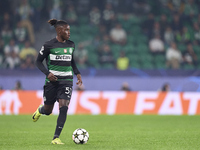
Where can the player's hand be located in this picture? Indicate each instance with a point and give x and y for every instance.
(79, 82)
(52, 78)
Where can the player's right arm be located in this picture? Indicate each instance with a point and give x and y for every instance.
(44, 52)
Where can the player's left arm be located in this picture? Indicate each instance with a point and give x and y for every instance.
(76, 72)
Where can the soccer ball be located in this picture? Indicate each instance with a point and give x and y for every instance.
(80, 136)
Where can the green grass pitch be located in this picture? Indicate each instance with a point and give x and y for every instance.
(107, 132)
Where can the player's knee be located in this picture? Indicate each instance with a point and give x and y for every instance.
(48, 110)
(63, 102)
(67, 103)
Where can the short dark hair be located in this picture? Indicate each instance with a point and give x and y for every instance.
(56, 23)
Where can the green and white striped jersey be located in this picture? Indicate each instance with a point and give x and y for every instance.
(59, 59)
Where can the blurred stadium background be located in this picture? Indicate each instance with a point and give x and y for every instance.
(137, 34)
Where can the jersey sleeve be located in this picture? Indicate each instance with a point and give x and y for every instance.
(73, 63)
(43, 54)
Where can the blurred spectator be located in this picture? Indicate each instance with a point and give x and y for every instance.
(198, 19)
(83, 7)
(156, 45)
(105, 39)
(27, 51)
(176, 5)
(6, 20)
(71, 15)
(106, 56)
(11, 52)
(5, 7)
(156, 30)
(55, 11)
(113, 21)
(102, 30)
(165, 87)
(127, 6)
(24, 10)
(25, 13)
(124, 20)
(11, 47)
(1, 52)
(141, 7)
(28, 63)
(96, 42)
(6, 34)
(12, 61)
(148, 24)
(174, 57)
(191, 8)
(37, 6)
(18, 86)
(186, 37)
(2, 45)
(196, 33)
(115, 4)
(118, 35)
(95, 16)
(125, 87)
(20, 33)
(168, 36)
(81, 56)
(122, 61)
(189, 56)
(108, 13)
(176, 23)
(163, 23)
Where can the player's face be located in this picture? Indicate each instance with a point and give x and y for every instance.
(65, 32)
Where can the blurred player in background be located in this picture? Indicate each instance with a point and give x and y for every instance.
(58, 53)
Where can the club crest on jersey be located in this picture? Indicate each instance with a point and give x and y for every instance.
(70, 50)
(65, 50)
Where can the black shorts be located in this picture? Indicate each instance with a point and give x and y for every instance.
(53, 91)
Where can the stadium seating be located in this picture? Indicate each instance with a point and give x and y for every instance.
(136, 48)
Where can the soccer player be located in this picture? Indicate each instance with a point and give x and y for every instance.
(58, 53)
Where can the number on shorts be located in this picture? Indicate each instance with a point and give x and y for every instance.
(67, 90)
